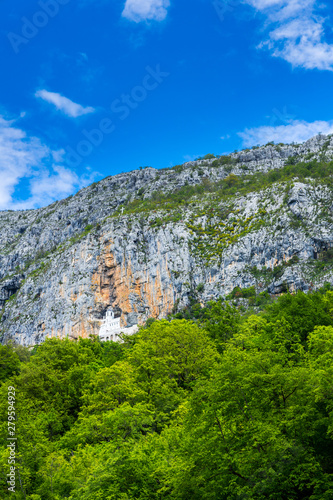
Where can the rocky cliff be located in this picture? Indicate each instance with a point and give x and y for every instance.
(144, 242)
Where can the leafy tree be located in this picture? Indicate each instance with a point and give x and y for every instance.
(221, 321)
(9, 362)
(255, 429)
(178, 351)
(303, 311)
(221, 406)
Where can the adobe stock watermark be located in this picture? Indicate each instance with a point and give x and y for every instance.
(122, 108)
(224, 6)
(31, 27)
(11, 476)
(281, 117)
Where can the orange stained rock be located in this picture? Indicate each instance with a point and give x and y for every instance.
(114, 284)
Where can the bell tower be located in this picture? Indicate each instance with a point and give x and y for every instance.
(110, 314)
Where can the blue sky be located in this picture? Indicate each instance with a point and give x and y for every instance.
(91, 88)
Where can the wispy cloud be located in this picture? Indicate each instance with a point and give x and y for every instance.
(54, 183)
(296, 32)
(64, 104)
(146, 10)
(295, 131)
(27, 158)
(18, 158)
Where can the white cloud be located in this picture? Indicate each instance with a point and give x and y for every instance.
(297, 32)
(24, 158)
(18, 157)
(52, 184)
(146, 10)
(264, 4)
(64, 104)
(295, 131)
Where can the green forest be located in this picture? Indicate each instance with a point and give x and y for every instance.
(212, 404)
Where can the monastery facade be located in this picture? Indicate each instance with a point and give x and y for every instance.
(111, 329)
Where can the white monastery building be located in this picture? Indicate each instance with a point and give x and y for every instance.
(111, 329)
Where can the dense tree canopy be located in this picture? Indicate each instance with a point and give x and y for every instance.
(220, 406)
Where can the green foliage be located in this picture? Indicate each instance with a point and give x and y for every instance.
(259, 415)
(9, 362)
(324, 259)
(303, 311)
(13, 297)
(231, 180)
(245, 293)
(321, 171)
(224, 160)
(276, 272)
(214, 229)
(178, 168)
(79, 236)
(258, 300)
(221, 406)
(220, 231)
(221, 321)
(292, 160)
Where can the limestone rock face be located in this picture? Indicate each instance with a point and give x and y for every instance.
(9, 287)
(299, 202)
(62, 266)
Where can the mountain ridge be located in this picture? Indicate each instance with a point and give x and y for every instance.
(145, 241)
